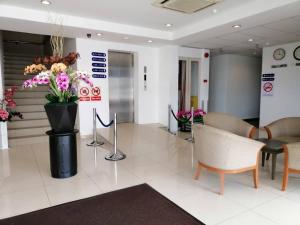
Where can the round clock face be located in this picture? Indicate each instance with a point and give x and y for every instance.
(297, 53)
(279, 54)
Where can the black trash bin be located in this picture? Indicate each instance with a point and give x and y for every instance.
(63, 154)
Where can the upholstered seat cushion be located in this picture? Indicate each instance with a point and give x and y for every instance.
(287, 139)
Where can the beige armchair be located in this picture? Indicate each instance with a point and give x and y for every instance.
(224, 153)
(286, 130)
(230, 123)
(291, 161)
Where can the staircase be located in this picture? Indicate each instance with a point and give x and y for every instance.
(30, 102)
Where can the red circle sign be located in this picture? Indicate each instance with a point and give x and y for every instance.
(268, 87)
(84, 91)
(96, 91)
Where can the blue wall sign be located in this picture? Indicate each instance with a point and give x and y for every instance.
(99, 76)
(98, 64)
(97, 59)
(96, 70)
(101, 54)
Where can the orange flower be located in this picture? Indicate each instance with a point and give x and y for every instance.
(58, 67)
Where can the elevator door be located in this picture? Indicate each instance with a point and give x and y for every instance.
(120, 65)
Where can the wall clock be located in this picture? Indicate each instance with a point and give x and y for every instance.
(297, 53)
(279, 54)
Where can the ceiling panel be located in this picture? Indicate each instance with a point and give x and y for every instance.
(291, 25)
(267, 33)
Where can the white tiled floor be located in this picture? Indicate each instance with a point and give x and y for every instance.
(155, 157)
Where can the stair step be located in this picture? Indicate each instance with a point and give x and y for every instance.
(15, 71)
(17, 77)
(21, 124)
(32, 116)
(8, 66)
(19, 59)
(29, 108)
(28, 132)
(19, 54)
(30, 101)
(23, 64)
(14, 82)
(30, 139)
(30, 94)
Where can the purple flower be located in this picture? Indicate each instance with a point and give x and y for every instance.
(28, 84)
(62, 81)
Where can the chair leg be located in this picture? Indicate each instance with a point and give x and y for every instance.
(255, 177)
(197, 173)
(222, 175)
(286, 169)
(285, 180)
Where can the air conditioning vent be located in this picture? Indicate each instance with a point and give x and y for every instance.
(185, 6)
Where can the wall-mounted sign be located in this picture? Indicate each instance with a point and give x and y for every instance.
(98, 64)
(99, 75)
(84, 94)
(267, 83)
(101, 54)
(90, 94)
(278, 66)
(96, 70)
(97, 59)
(96, 94)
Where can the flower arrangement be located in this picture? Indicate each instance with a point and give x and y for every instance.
(7, 104)
(185, 115)
(60, 77)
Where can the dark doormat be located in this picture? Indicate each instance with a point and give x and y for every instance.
(138, 205)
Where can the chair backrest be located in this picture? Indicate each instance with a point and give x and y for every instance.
(224, 150)
(289, 126)
(230, 123)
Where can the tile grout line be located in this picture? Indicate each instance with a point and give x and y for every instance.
(39, 169)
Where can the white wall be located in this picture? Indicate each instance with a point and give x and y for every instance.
(286, 94)
(3, 126)
(145, 102)
(235, 85)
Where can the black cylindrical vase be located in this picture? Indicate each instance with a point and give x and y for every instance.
(63, 154)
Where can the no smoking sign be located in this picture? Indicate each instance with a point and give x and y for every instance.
(268, 87)
(267, 84)
(96, 94)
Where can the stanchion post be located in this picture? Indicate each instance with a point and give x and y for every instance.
(169, 118)
(115, 132)
(115, 155)
(95, 143)
(192, 123)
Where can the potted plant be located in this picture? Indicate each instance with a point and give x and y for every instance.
(184, 117)
(7, 105)
(63, 82)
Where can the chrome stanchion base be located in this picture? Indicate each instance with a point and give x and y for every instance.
(190, 139)
(115, 156)
(93, 143)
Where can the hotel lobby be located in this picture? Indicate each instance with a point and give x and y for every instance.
(150, 112)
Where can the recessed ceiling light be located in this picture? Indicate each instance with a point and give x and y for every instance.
(150, 41)
(126, 38)
(168, 24)
(45, 2)
(250, 39)
(99, 34)
(237, 26)
(215, 11)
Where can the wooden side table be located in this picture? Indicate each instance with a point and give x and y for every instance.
(274, 148)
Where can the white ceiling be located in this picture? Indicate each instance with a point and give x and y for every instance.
(133, 12)
(265, 21)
